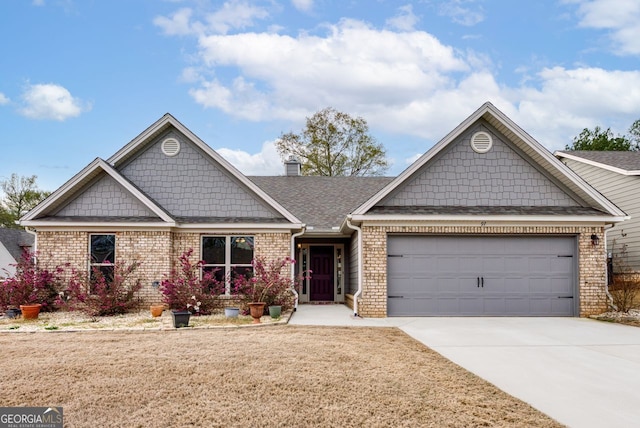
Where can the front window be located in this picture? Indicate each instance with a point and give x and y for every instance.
(227, 256)
(102, 249)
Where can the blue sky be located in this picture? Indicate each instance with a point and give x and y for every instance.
(80, 79)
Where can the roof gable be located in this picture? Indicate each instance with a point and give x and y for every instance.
(459, 176)
(109, 180)
(197, 182)
(105, 197)
(517, 139)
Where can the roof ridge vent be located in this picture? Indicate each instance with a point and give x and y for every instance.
(481, 142)
(170, 147)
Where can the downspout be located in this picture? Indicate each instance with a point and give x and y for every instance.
(293, 266)
(606, 276)
(360, 264)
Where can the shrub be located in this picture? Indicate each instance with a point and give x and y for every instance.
(270, 282)
(31, 284)
(183, 289)
(625, 284)
(97, 295)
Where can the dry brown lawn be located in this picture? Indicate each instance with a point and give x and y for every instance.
(275, 376)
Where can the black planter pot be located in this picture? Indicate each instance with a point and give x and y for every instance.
(180, 318)
(13, 313)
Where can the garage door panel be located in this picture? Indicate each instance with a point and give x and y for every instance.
(524, 276)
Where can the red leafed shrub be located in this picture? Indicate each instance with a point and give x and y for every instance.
(183, 289)
(31, 284)
(99, 294)
(270, 282)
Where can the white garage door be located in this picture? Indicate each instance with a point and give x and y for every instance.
(481, 276)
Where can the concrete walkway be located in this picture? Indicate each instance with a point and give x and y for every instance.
(581, 372)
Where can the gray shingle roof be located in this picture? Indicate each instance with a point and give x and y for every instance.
(321, 202)
(14, 240)
(629, 161)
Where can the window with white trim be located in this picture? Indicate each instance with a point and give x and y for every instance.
(227, 256)
(102, 250)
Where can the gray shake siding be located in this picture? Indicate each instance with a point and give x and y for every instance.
(190, 184)
(623, 191)
(105, 198)
(462, 177)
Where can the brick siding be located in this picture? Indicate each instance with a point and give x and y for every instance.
(158, 252)
(591, 272)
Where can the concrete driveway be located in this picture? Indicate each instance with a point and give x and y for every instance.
(581, 372)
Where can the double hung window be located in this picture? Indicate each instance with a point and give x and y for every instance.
(228, 257)
(102, 250)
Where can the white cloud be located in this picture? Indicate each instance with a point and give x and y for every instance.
(353, 64)
(620, 17)
(234, 14)
(178, 24)
(51, 101)
(461, 12)
(412, 159)
(267, 162)
(303, 5)
(405, 20)
(402, 82)
(3, 99)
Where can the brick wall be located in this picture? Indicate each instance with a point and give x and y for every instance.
(591, 275)
(158, 252)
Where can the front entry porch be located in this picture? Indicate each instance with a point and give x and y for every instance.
(326, 280)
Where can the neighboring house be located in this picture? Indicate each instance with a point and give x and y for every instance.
(487, 222)
(617, 176)
(13, 242)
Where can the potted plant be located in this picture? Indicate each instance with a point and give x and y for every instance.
(156, 310)
(186, 293)
(31, 288)
(275, 311)
(231, 312)
(269, 285)
(180, 318)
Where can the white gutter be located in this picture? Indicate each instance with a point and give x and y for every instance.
(360, 265)
(293, 266)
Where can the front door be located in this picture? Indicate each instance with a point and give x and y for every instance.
(321, 266)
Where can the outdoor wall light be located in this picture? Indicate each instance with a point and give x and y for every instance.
(155, 284)
(595, 240)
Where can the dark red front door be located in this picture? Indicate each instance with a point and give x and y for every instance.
(321, 273)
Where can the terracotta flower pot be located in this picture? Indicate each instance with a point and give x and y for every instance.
(156, 310)
(30, 312)
(257, 310)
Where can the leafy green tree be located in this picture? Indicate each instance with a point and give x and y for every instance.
(600, 139)
(335, 144)
(21, 194)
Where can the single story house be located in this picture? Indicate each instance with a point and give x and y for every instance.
(13, 242)
(617, 176)
(486, 223)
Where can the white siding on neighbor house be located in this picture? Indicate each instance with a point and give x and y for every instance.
(624, 191)
(6, 260)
